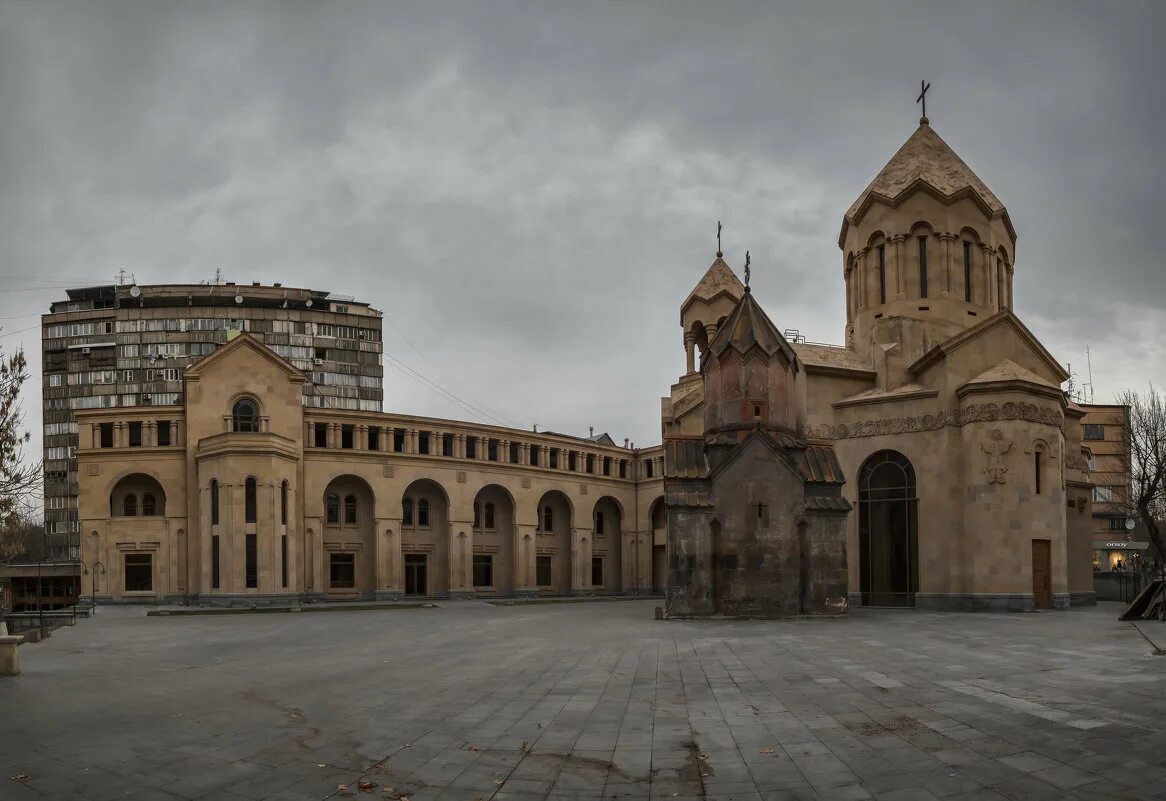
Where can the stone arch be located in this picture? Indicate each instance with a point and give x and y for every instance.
(425, 538)
(888, 530)
(607, 544)
(554, 541)
(349, 541)
(245, 413)
(493, 546)
(131, 491)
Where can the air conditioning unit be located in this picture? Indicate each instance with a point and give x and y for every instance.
(318, 361)
(85, 351)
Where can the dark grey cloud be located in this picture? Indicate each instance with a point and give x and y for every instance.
(529, 190)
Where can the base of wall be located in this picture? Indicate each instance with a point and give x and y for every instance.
(463, 595)
(528, 592)
(245, 600)
(582, 593)
(1061, 600)
(976, 602)
(389, 595)
(1083, 599)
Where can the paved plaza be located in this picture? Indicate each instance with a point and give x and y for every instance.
(586, 701)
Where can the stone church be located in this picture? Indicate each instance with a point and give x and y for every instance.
(932, 461)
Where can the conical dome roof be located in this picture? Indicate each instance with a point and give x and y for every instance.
(718, 279)
(747, 326)
(925, 158)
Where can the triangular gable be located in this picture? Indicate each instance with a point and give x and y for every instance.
(718, 280)
(742, 446)
(1004, 318)
(748, 326)
(243, 340)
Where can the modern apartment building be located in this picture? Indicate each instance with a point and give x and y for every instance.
(127, 346)
(1103, 433)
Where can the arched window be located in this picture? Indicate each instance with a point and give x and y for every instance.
(477, 516)
(150, 505)
(350, 509)
(129, 506)
(888, 531)
(548, 519)
(214, 501)
(245, 416)
(599, 522)
(250, 504)
(489, 515)
(423, 512)
(407, 511)
(283, 503)
(332, 509)
(1038, 452)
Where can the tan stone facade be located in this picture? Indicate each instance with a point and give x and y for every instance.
(290, 502)
(940, 377)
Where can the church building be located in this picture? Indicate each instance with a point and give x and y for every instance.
(938, 437)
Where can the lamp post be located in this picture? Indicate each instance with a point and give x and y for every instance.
(80, 590)
(93, 584)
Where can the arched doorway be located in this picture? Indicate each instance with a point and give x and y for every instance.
(137, 495)
(425, 539)
(659, 547)
(607, 546)
(888, 536)
(493, 546)
(552, 559)
(349, 538)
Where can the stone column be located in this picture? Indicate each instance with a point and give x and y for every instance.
(581, 562)
(504, 451)
(385, 440)
(525, 549)
(897, 263)
(461, 559)
(947, 239)
(989, 283)
(689, 352)
(545, 461)
(333, 435)
(863, 277)
(711, 332)
(437, 443)
(149, 433)
(482, 448)
(309, 434)
(361, 437)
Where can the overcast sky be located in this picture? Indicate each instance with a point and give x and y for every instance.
(530, 190)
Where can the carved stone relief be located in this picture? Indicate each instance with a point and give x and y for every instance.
(997, 447)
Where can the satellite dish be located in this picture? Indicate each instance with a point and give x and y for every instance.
(135, 291)
(309, 303)
(238, 298)
(1130, 524)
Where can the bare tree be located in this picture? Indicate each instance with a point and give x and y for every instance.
(19, 480)
(23, 537)
(1144, 452)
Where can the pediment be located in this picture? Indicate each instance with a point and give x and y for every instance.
(1042, 363)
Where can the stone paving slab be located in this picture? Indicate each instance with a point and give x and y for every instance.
(586, 701)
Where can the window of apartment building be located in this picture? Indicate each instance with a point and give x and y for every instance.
(374, 438)
(129, 505)
(347, 435)
(423, 440)
(163, 428)
(590, 464)
(423, 512)
(149, 505)
(399, 441)
(139, 573)
(350, 510)
(447, 445)
(547, 519)
(407, 511)
(55, 359)
(332, 509)
(1103, 495)
(252, 561)
(513, 455)
(597, 571)
(320, 435)
(342, 571)
(471, 447)
(215, 562)
(572, 461)
(542, 571)
(492, 450)
(135, 434)
(483, 570)
(106, 435)
(1092, 431)
(1117, 524)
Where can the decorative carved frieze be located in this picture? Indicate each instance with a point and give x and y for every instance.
(973, 413)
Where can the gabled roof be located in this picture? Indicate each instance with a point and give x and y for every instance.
(749, 326)
(718, 280)
(925, 160)
(1006, 318)
(243, 340)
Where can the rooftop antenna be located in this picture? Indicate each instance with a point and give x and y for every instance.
(1089, 365)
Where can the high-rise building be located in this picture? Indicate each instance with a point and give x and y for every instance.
(1103, 433)
(127, 345)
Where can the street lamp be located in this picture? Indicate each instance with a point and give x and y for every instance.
(97, 566)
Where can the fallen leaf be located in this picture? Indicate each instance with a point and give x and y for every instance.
(19, 777)
(342, 787)
(367, 787)
(499, 781)
(474, 748)
(321, 765)
(765, 751)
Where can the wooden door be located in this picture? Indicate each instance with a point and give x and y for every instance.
(1042, 588)
(415, 578)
